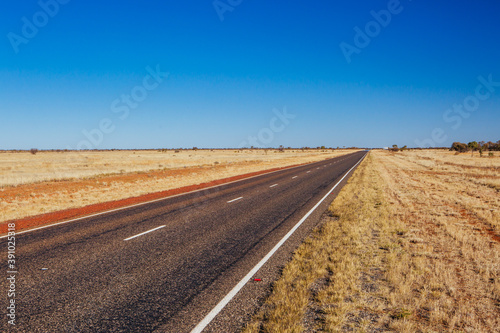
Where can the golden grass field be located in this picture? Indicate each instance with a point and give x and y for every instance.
(411, 244)
(51, 181)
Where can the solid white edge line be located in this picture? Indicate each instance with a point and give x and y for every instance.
(148, 202)
(235, 199)
(215, 311)
(143, 233)
(273, 185)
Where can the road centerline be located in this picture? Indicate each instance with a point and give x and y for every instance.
(273, 185)
(235, 200)
(143, 233)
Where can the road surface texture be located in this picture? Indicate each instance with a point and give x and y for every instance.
(164, 266)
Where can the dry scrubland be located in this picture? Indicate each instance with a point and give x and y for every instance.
(52, 181)
(411, 244)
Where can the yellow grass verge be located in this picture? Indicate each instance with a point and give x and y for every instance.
(400, 250)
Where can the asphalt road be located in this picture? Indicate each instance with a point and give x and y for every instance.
(163, 266)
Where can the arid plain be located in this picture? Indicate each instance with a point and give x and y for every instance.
(32, 184)
(411, 244)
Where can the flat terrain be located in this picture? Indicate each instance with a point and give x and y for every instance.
(162, 266)
(52, 181)
(411, 244)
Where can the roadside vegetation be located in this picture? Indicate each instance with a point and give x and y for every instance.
(411, 244)
(473, 146)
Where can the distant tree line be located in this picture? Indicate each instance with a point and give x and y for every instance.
(395, 148)
(475, 146)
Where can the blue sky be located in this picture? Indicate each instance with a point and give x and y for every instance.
(63, 68)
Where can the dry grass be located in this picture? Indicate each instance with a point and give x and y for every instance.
(411, 245)
(24, 168)
(51, 181)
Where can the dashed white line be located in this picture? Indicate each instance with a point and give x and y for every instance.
(143, 233)
(273, 185)
(308, 171)
(235, 199)
(215, 311)
(294, 177)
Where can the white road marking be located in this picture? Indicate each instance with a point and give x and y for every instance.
(273, 185)
(143, 233)
(308, 171)
(235, 199)
(294, 177)
(215, 311)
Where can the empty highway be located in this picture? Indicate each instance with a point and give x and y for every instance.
(179, 264)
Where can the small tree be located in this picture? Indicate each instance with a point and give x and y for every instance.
(473, 146)
(34, 151)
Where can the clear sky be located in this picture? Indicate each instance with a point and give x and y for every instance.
(91, 74)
